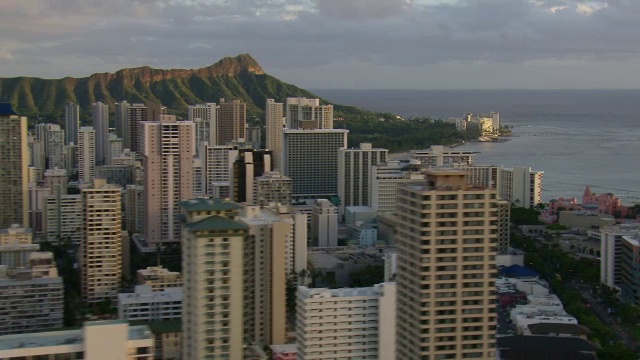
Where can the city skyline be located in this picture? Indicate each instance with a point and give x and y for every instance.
(428, 44)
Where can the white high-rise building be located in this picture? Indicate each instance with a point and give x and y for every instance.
(274, 113)
(217, 169)
(71, 123)
(100, 113)
(324, 224)
(101, 248)
(167, 148)
(205, 120)
(521, 186)
(14, 163)
(115, 147)
(311, 161)
(385, 180)
(354, 174)
(86, 154)
(56, 181)
(611, 243)
(308, 114)
(271, 188)
(346, 323)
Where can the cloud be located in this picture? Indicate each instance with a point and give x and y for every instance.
(589, 8)
(362, 9)
(5, 55)
(78, 37)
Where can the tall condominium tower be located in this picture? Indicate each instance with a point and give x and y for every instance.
(167, 153)
(86, 154)
(135, 114)
(213, 276)
(310, 159)
(14, 161)
(205, 120)
(232, 121)
(122, 119)
(71, 123)
(265, 275)
(274, 113)
(55, 147)
(447, 236)
(249, 165)
(521, 186)
(308, 114)
(100, 113)
(101, 246)
(439, 156)
(354, 173)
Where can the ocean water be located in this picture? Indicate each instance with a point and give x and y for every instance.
(577, 137)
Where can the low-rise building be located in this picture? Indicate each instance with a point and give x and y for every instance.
(148, 305)
(159, 278)
(124, 343)
(356, 323)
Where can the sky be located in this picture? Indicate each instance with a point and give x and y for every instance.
(336, 44)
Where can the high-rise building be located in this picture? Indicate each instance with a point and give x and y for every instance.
(167, 148)
(363, 320)
(213, 276)
(271, 188)
(71, 123)
(100, 114)
(38, 158)
(310, 159)
(265, 276)
(70, 158)
(63, 218)
(611, 246)
(217, 169)
(205, 120)
(56, 181)
(232, 121)
(447, 235)
(131, 115)
(249, 165)
(101, 249)
(115, 147)
(308, 114)
(274, 113)
(385, 180)
(521, 186)
(55, 147)
(37, 195)
(121, 119)
(134, 208)
(324, 224)
(14, 162)
(354, 174)
(86, 154)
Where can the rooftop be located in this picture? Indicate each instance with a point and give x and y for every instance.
(552, 328)
(65, 337)
(216, 223)
(209, 204)
(545, 347)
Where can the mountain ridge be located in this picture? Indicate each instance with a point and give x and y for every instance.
(240, 77)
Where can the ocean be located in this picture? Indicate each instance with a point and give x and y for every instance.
(577, 137)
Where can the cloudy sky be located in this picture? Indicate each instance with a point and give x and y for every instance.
(401, 44)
